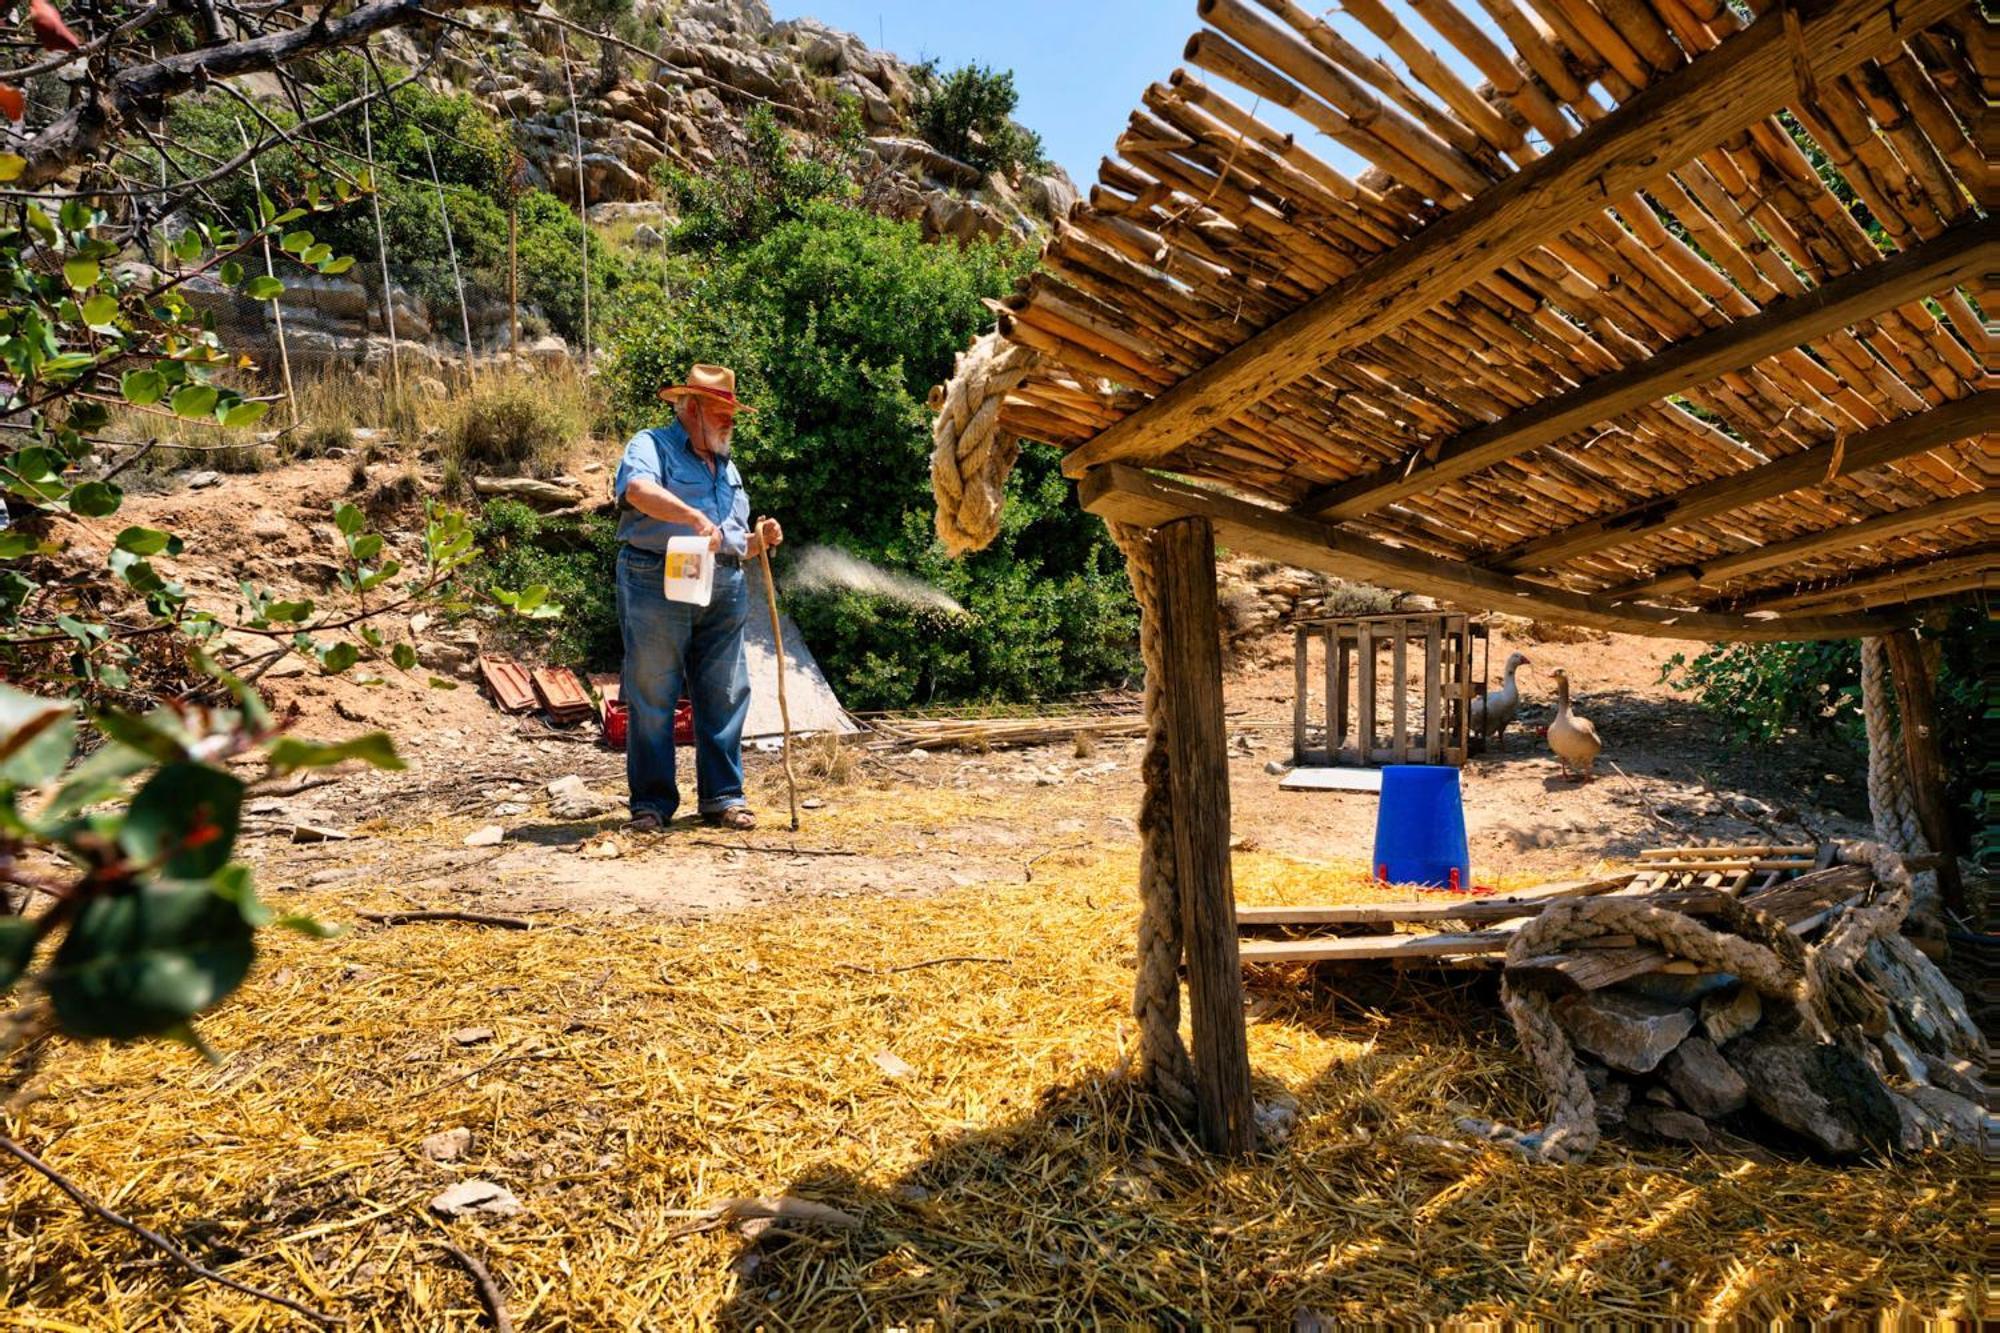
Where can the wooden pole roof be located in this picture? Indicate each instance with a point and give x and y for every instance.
(1673, 324)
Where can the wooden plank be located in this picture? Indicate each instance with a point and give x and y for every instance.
(1711, 853)
(1918, 433)
(1343, 685)
(1957, 255)
(1922, 518)
(1365, 947)
(1433, 694)
(1198, 759)
(1917, 705)
(1130, 495)
(1527, 902)
(1364, 694)
(1744, 79)
(1976, 568)
(1299, 640)
(1399, 708)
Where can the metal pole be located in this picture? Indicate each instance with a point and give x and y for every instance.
(451, 248)
(277, 306)
(582, 207)
(381, 248)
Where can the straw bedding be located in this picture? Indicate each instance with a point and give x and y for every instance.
(638, 1074)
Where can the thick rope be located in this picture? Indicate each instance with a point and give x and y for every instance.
(970, 456)
(1891, 802)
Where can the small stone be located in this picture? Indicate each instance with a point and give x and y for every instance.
(508, 809)
(201, 481)
(1703, 1080)
(604, 849)
(1276, 769)
(489, 836)
(569, 798)
(1668, 1124)
(447, 1145)
(1627, 1032)
(476, 1196)
(812, 803)
(470, 1036)
(1953, 1075)
(1726, 1017)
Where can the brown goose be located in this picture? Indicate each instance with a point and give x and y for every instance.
(1574, 739)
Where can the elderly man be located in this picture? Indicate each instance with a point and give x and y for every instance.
(676, 481)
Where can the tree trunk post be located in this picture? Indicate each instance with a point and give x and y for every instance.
(1918, 707)
(1199, 763)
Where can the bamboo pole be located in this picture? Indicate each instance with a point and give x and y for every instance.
(382, 250)
(784, 710)
(270, 271)
(582, 200)
(451, 248)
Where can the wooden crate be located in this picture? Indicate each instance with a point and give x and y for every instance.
(1369, 711)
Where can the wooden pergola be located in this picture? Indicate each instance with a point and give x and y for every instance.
(1669, 326)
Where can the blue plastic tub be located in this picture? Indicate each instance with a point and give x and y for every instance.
(1420, 828)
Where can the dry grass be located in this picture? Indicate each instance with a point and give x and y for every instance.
(520, 423)
(637, 1072)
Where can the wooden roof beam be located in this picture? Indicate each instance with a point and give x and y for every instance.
(1920, 432)
(1909, 581)
(1745, 78)
(1888, 527)
(1952, 257)
(1125, 494)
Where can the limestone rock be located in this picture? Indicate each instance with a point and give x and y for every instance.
(1669, 1124)
(1703, 1080)
(1824, 1093)
(1959, 1076)
(447, 1145)
(1627, 1032)
(569, 798)
(1928, 1007)
(1959, 1123)
(1726, 1017)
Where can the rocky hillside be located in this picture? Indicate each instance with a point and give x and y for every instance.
(674, 86)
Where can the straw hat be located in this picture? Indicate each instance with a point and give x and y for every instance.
(713, 382)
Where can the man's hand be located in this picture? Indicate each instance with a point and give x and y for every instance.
(705, 527)
(770, 534)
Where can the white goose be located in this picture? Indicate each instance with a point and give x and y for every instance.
(1574, 739)
(1493, 712)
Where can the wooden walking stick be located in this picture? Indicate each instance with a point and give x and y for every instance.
(784, 711)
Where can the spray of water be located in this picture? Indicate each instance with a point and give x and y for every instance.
(824, 568)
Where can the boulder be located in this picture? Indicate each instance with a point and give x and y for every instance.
(1627, 1032)
(1824, 1093)
(1725, 1017)
(1958, 1123)
(1703, 1080)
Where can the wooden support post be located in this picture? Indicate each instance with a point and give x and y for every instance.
(1330, 637)
(1918, 706)
(1301, 636)
(1364, 692)
(1198, 753)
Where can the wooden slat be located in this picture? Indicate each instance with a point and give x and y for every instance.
(1744, 79)
(1130, 495)
(1364, 694)
(1955, 256)
(1399, 702)
(1905, 437)
(1300, 638)
(1525, 903)
(1922, 518)
(1436, 945)
(1433, 693)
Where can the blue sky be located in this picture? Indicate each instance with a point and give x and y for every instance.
(1080, 65)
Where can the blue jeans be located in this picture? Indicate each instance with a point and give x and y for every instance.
(670, 645)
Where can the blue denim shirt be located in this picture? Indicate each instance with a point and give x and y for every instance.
(665, 456)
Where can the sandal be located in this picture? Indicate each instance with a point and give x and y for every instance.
(645, 822)
(734, 816)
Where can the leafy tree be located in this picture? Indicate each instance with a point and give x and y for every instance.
(838, 323)
(742, 202)
(966, 114)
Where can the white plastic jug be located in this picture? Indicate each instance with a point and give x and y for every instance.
(690, 570)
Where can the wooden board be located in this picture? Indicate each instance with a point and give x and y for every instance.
(1463, 908)
(1374, 947)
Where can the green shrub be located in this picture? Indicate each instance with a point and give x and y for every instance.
(740, 202)
(837, 323)
(516, 425)
(966, 114)
(573, 558)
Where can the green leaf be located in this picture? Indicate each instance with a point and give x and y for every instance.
(232, 273)
(100, 309)
(141, 964)
(148, 541)
(245, 414)
(11, 167)
(163, 744)
(338, 658)
(348, 519)
(317, 255)
(440, 683)
(98, 777)
(367, 546)
(263, 288)
(334, 267)
(95, 499)
(142, 387)
(194, 400)
(14, 544)
(295, 241)
(36, 736)
(188, 247)
(18, 937)
(185, 818)
(289, 613)
(404, 656)
(82, 273)
(375, 748)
